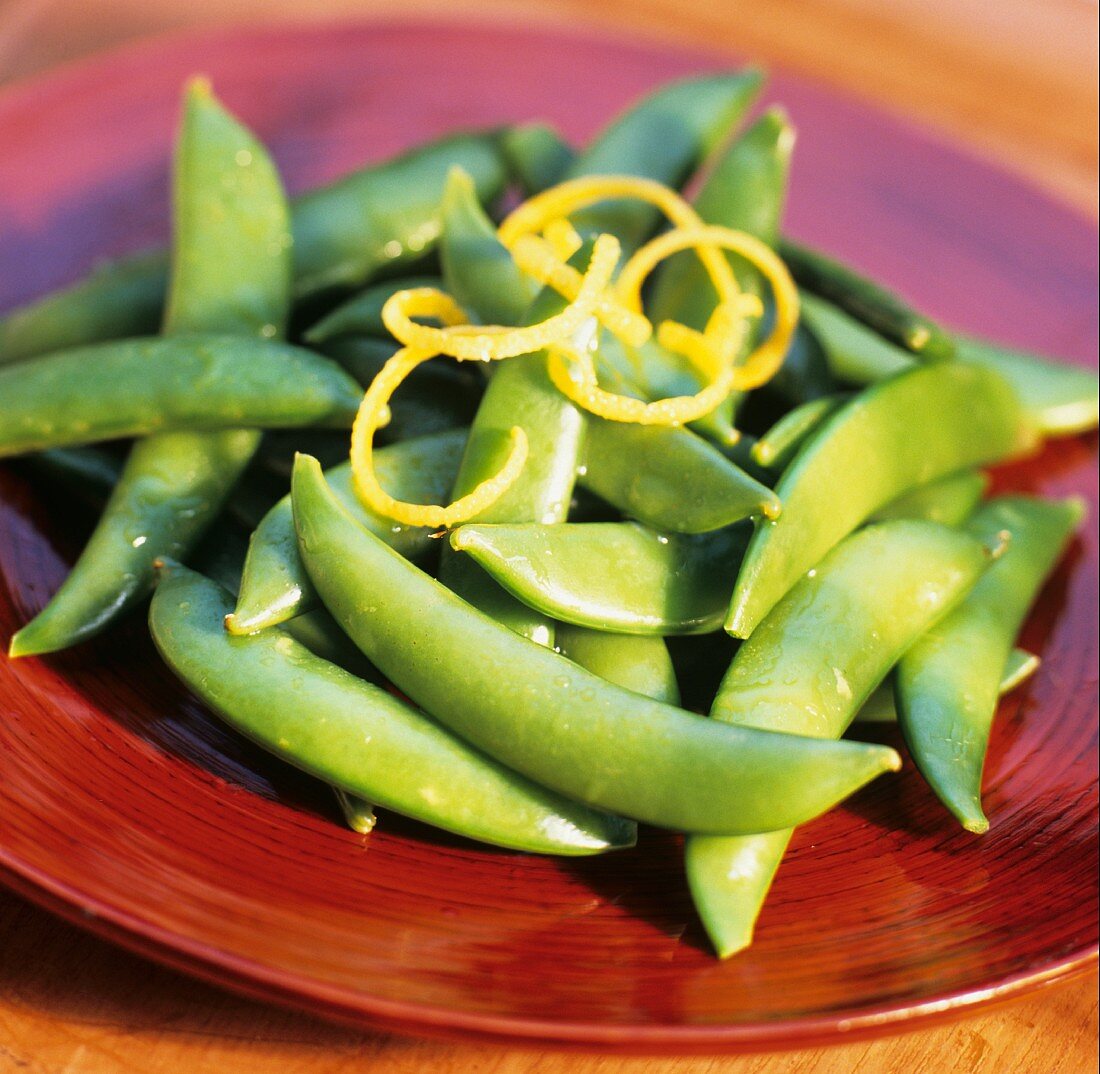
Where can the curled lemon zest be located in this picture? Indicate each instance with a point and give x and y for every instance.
(764, 361)
(486, 343)
(365, 481)
(563, 237)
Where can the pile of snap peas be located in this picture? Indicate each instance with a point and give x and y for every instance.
(833, 522)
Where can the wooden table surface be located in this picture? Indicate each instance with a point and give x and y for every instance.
(1014, 79)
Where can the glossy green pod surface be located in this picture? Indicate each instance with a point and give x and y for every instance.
(779, 445)
(141, 386)
(275, 586)
(950, 500)
(948, 683)
(613, 576)
(809, 667)
(634, 662)
(537, 156)
(357, 736)
(361, 315)
(549, 718)
(865, 455)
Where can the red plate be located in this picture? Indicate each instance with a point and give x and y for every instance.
(124, 807)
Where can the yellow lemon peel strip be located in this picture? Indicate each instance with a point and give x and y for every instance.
(764, 361)
(486, 343)
(563, 237)
(371, 493)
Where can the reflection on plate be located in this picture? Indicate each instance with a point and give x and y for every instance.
(125, 808)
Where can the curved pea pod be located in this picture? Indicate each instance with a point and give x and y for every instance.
(947, 685)
(547, 717)
(669, 478)
(361, 315)
(387, 215)
(880, 707)
(805, 373)
(854, 353)
(477, 269)
(1062, 399)
(779, 445)
(358, 813)
(664, 136)
(145, 518)
(634, 662)
(141, 386)
(356, 736)
(537, 156)
(117, 299)
(376, 218)
(949, 500)
(274, 584)
(809, 667)
(890, 316)
(613, 576)
(908, 430)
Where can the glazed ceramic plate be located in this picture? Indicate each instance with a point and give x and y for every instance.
(125, 807)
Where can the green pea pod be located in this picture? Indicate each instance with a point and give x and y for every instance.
(361, 315)
(521, 394)
(634, 662)
(230, 273)
(274, 585)
(805, 373)
(664, 136)
(537, 156)
(613, 576)
(356, 736)
(908, 430)
(949, 500)
(437, 396)
(547, 717)
(1062, 398)
(375, 219)
(477, 269)
(854, 353)
(669, 478)
(947, 684)
(880, 707)
(867, 301)
(118, 299)
(809, 667)
(135, 387)
(779, 445)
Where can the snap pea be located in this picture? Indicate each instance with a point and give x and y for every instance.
(854, 353)
(547, 717)
(614, 576)
(477, 269)
(135, 387)
(230, 273)
(358, 813)
(1061, 398)
(746, 191)
(808, 668)
(117, 299)
(357, 736)
(805, 372)
(274, 585)
(868, 453)
(537, 156)
(634, 662)
(867, 301)
(880, 707)
(947, 684)
(950, 500)
(669, 478)
(779, 445)
(379, 217)
(664, 136)
(361, 315)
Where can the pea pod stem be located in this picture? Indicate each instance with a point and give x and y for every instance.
(356, 736)
(809, 667)
(548, 718)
